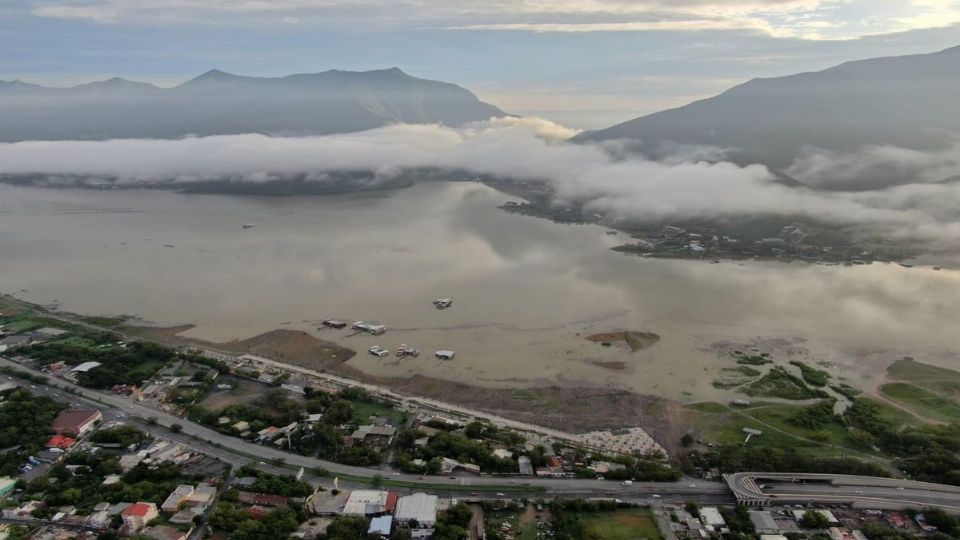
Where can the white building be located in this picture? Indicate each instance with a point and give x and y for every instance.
(711, 517)
(420, 508)
(365, 502)
(85, 367)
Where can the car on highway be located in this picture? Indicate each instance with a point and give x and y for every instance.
(500, 494)
(656, 495)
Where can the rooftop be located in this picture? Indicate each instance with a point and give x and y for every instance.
(140, 509)
(419, 506)
(74, 420)
(85, 367)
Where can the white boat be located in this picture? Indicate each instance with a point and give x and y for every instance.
(370, 328)
(406, 350)
(445, 354)
(443, 303)
(248, 225)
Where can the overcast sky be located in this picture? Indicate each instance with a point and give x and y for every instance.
(588, 63)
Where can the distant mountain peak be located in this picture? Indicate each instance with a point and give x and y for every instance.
(905, 101)
(219, 103)
(213, 76)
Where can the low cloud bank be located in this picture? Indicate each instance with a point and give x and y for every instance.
(600, 177)
(875, 166)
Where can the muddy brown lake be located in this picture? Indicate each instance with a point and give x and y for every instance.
(526, 292)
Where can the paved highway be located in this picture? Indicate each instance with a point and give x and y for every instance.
(861, 491)
(238, 451)
(747, 488)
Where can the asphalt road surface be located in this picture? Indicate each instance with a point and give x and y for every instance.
(771, 488)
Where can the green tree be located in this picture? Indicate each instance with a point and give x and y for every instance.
(812, 519)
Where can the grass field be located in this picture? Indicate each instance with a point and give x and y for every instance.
(32, 322)
(897, 417)
(726, 427)
(913, 371)
(629, 524)
(522, 524)
(781, 384)
(924, 402)
(708, 407)
(363, 410)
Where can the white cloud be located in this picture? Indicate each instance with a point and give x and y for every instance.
(877, 165)
(806, 19)
(596, 176)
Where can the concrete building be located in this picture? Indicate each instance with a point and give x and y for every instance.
(77, 422)
(764, 523)
(711, 518)
(367, 502)
(178, 496)
(136, 516)
(419, 507)
(371, 435)
(163, 532)
(381, 525)
(7, 486)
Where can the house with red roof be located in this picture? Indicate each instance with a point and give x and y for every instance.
(136, 516)
(76, 421)
(60, 441)
(258, 513)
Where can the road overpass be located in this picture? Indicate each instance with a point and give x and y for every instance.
(763, 489)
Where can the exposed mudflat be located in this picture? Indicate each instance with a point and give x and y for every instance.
(526, 291)
(637, 341)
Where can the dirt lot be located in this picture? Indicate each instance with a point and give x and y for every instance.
(294, 347)
(243, 391)
(572, 409)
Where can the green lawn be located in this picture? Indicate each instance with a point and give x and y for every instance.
(629, 524)
(708, 407)
(32, 322)
(897, 417)
(911, 370)
(923, 402)
(363, 410)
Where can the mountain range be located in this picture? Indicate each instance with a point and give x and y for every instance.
(218, 103)
(904, 101)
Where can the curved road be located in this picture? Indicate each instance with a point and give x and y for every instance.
(860, 491)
